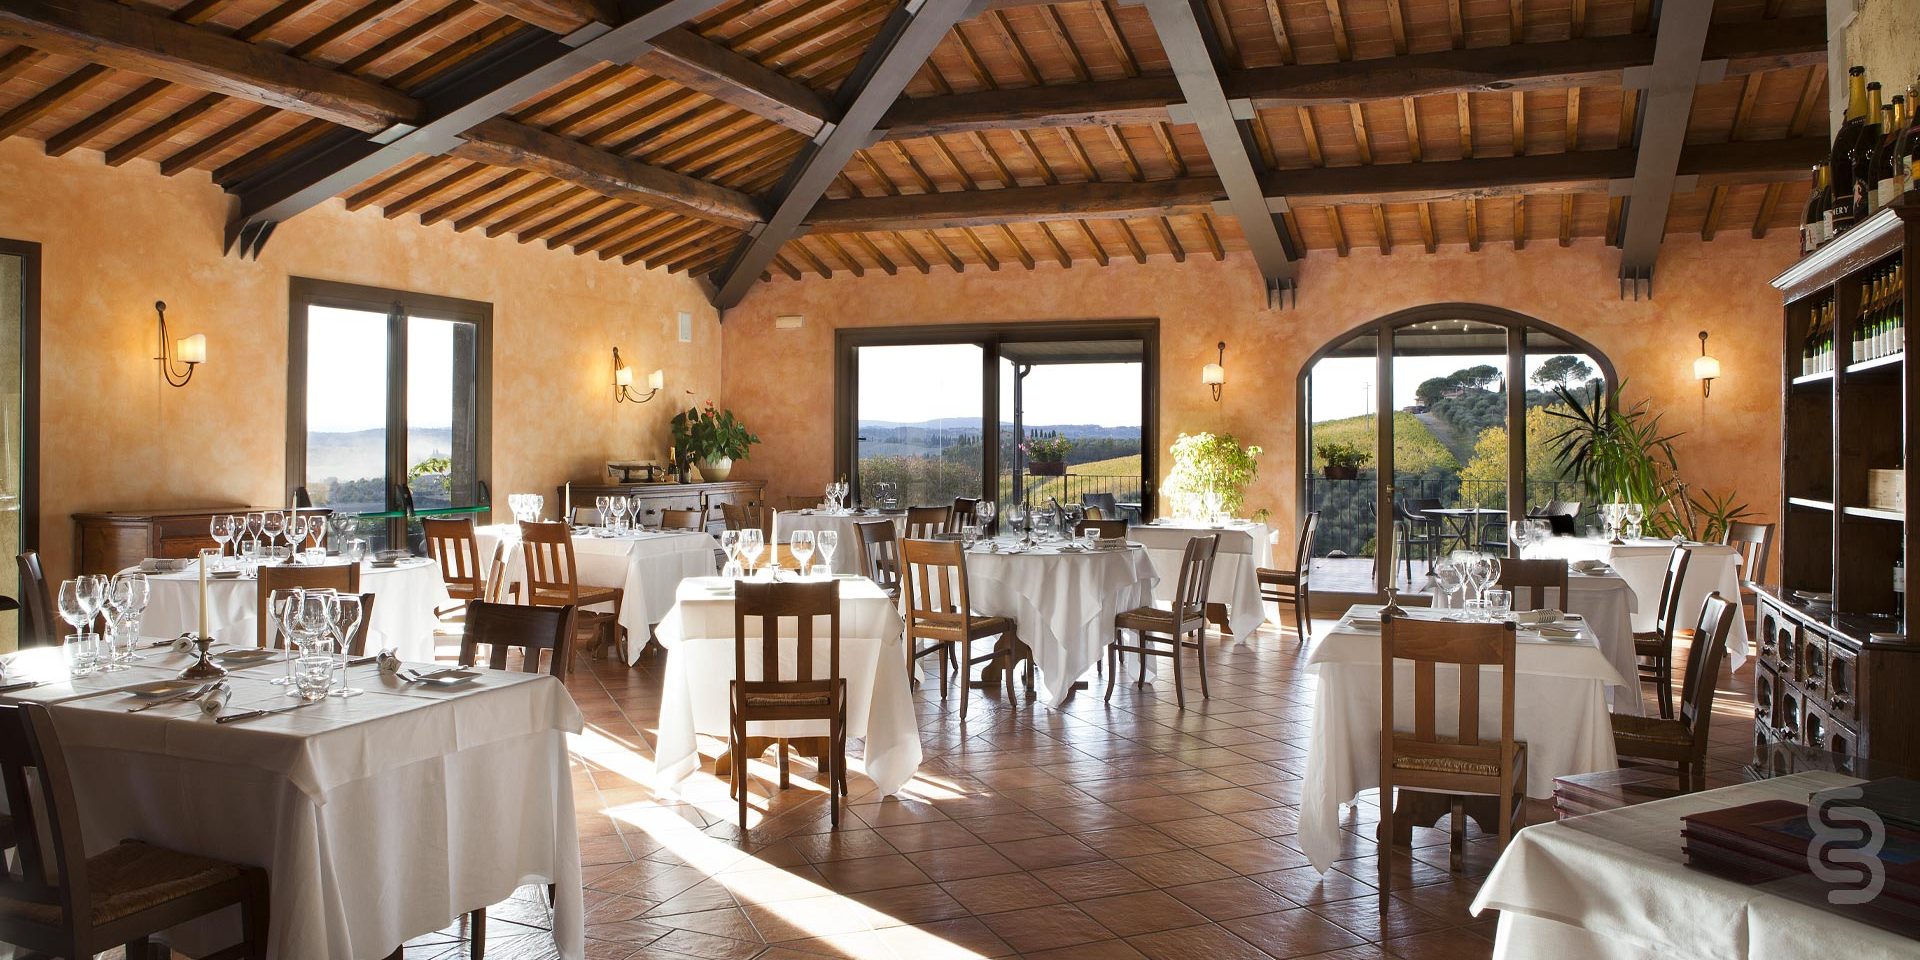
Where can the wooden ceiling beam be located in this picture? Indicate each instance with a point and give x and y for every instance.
(1186, 33)
(907, 39)
(1587, 171)
(504, 143)
(697, 63)
(1665, 109)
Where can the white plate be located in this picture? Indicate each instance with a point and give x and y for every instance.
(162, 688)
(244, 657)
(448, 678)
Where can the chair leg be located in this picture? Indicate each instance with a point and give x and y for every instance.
(784, 782)
(1113, 664)
(1665, 672)
(1179, 684)
(477, 947)
(966, 673)
(1200, 656)
(1457, 837)
(1013, 662)
(1383, 840)
(1300, 606)
(943, 677)
(255, 909)
(139, 948)
(1140, 679)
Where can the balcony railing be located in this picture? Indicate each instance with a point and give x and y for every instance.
(1347, 522)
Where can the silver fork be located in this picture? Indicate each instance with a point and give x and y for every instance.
(193, 694)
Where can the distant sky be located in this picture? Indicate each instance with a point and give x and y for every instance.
(910, 384)
(346, 371)
(1344, 387)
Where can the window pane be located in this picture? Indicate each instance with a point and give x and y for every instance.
(1078, 404)
(919, 423)
(12, 317)
(1341, 400)
(1554, 365)
(1450, 439)
(441, 426)
(347, 414)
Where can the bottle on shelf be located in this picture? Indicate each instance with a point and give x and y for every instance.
(1866, 143)
(1909, 144)
(1840, 160)
(1889, 172)
(1813, 222)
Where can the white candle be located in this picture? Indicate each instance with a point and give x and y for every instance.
(568, 515)
(203, 594)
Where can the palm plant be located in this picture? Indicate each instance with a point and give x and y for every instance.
(1618, 455)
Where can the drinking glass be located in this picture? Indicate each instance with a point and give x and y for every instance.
(828, 541)
(346, 620)
(79, 602)
(221, 528)
(752, 542)
(619, 507)
(1017, 516)
(1043, 524)
(1476, 571)
(313, 677)
(1476, 610)
(123, 635)
(1451, 580)
(1492, 573)
(603, 510)
(1499, 603)
(297, 527)
(126, 602)
(983, 511)
(730, 545)
(1636, 514)
(272, 525)
(1521, 533)
(281, 605)
(537, 506)
(801, 546)
(255, 523)
(83, 652)
(636, 509)
(969, 534)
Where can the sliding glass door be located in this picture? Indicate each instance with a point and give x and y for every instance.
(19, 414)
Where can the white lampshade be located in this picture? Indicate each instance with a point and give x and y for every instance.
(1213, 374)
(191, 349)
(656, 380)
(1706, 368)
(623, 376)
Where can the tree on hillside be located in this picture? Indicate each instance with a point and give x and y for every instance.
(1434, 389)
(1483, 376)
(1563, 370)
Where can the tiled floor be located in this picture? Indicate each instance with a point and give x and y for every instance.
(1096, 831)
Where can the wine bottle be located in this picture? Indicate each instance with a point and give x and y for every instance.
(1813, 220)
(1909, 145)
(1879, 160)
(1897, 307)
(1840, 160)
(1886, 164)
(1866, 143)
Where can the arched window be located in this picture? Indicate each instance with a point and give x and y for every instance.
(1457, 446)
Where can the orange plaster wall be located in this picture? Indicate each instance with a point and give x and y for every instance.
(115, 240)
(1730, 442)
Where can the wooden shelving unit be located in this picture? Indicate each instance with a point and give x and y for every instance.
(1842, 678)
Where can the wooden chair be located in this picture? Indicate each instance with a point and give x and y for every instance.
(742, 516)
(925, 523)
(1290, 586)
(1417, 529)
(965, 511)
(1754, 543)
(65, 903)
(1187, 617)
(1109, 529)
(553, 580)
(938, 611)
(338, 577)
(802, 503)
(1536, 577)
(683, 520)
(775, 697)
(880, 554)
(1458, 763)
(452, 544)
(357, 644)
(1560, 517)
(1655, 647)
(36, 604)
(1684, 741)
(584, 517)
(500, 626)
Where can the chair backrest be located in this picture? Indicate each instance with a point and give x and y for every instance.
(51, 859)
(936, 585)
(1536, 577)
(36, 604)
(963, 512)
(338, 577)
(683, 520)
(1559, 515)
(1303, 549)
(552, 574)
(1103, 502)
(532, 629)
(583, 517)
(1753, 541)
(1667, 615)
(1109, 529)
(1703, 665)
(452, 543)
(741, 516)
(357, 644)
(1427, 644)
(924, 522)
(770, 603)
(880, 553)
(1196, 575)
(1418, 506)
(802, 503)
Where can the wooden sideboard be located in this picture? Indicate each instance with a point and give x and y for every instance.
(655, 497)
(108, 541)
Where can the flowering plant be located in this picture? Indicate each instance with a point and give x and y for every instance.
(1047, 449)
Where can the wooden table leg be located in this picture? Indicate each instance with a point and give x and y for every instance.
(813, 748)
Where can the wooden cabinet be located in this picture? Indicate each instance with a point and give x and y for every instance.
(655, 497)
(1824, 680)
(108, 541)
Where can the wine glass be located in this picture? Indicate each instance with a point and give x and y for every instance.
(753, 542)
(281, 605)
(1476, 570)
(1451, 580)
(603, 510)
(828, 541)
(255, 523)
(347, 614)
(1017, 516)
(126, 601)
(1521, 533)
(1636, 514)
(79, 603)
(221, 528)
(1492, 573)
(272, 525)
(801, 546)
(983, 515)
(635, 508)
(619, 507)
(298, 526)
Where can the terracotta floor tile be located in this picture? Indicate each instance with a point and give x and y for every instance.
(959, 863)
(1176, 868)
(1210, 942)
(1453, 944)
(1135, 913)
(1084, 881)
(1230, 898)
(1294, 933)
(1042, 852)
(1043, 928)
(983, 895)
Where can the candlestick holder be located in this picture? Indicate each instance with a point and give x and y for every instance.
(1393, 608)
(202, 668)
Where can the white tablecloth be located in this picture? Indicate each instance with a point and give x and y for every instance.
(380, 817)
(846, 559)
(1064, 603)
(698, 635)
(1560, 711)
(1615, 885)
(1607, 603)
(1243, 548)
(648, 567)
(1643, 564)
(405, 598)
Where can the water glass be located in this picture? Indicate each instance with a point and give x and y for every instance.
(122, 636)
(1499, 603)
(314, 555)
(801, 546)
(83, 652)
(753, 542)
(828, 541)
(1476, 610)
(969, 534)
(313, 676)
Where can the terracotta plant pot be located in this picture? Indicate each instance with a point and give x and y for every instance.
(1341, 473)
(714, 471)
(1047, 468)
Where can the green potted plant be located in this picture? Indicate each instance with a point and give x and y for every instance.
(1341, 459)
(1214, 469)
(714, 439)
(1618, 456)
(1047, 456)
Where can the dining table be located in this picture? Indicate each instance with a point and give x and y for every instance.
(406, 596)
(1245, 547)
(1715, 568)
(1464, 524)
(1560, 710)
(1607, 603)
(1616, 885)
(698, 634)
(1063, 599)
(379, 817)
(647, 565)
(844, 523)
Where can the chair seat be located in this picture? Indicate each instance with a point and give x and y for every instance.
(129, 878)
(1279, 578)
(588, 597)
(1462, 765)
(1630, 731)
(794, 699)
(977, 627)
(1155, 620)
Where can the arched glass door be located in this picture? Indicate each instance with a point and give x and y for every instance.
(1440, 418)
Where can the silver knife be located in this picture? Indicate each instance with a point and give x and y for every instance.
(24, 685)
(193, 694)
(251, 714)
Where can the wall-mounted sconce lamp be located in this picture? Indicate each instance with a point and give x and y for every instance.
(1705, 368)
(191, 351)
(623, 382)
(1214, 375)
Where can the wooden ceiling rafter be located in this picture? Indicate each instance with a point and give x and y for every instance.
(1679, 57)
